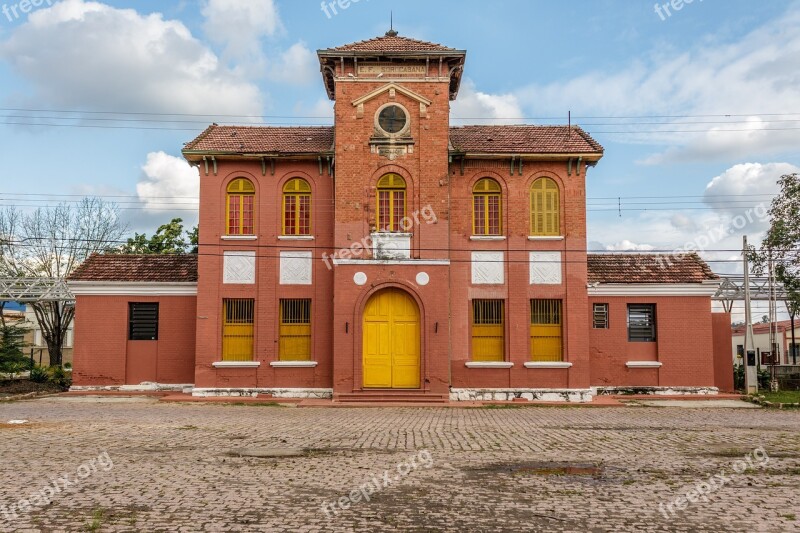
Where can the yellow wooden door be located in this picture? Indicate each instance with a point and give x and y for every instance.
(391, 349)
(546, 331)
(546, 343)
(488, 331)
(294, 341)
(237, 330)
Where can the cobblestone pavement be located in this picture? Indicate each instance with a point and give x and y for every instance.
(178, 467)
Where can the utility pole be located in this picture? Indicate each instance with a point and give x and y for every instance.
(794, 342)
(749, 362)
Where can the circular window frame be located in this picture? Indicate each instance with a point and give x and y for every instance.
(403, 131)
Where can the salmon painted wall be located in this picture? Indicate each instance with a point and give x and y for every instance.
(425, 170)
(517, 290)
(105, 356)
(267, 290)
(723, 363)
(684, 345)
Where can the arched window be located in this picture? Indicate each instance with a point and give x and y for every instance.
(545, 208)
(297, 207)
(486, 207)
(241, 207)
(391, 202)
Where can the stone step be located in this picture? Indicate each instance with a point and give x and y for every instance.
(391, 396)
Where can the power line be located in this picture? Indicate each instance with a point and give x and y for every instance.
(660, 197)
(309, 246)
(588, 117)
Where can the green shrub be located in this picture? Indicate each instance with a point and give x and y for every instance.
(39, 375)
(12, 359)
(60, 377)
(764, 378)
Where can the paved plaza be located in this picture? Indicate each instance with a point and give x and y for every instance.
(134, 464)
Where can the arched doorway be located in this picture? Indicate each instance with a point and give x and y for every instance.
(391, 350)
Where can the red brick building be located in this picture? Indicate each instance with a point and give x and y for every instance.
(394, 256)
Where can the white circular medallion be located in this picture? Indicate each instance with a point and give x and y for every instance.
(423, 278)
(360, 279)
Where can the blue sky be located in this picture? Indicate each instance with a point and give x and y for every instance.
(675, 76)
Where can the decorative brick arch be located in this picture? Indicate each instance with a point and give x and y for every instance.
(358, 330)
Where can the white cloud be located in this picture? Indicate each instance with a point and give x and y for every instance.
(168, 181)
(295, 66)
(738, 201)
(490, 108)
(627, 245)
(88, 55)
(743, 186)
(758, 73)
(240, 25)
(322, 108)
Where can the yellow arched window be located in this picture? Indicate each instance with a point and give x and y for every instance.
(391, 202)
(486, 208)
(297, 207)
(241, 207)
(545, 208)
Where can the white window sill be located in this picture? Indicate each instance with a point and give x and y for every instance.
(392, 233)
(293, 364)
(295, 237)
(643, 364)
(545, 238)
(239, 237)
(487, 238)
(236, 364)
(548, 364)
(488, 364)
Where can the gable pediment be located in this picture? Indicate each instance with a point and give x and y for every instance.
(391, 88)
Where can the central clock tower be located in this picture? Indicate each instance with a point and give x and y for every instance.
(392, 122)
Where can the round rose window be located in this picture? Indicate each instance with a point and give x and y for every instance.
(392, 119)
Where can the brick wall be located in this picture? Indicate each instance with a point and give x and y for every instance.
(684, 344)
(517, 291)
(267, 291)
(104, 355)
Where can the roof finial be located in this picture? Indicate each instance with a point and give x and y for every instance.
(391, 32)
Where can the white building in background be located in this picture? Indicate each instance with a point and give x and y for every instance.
(36, 342)
(761, 334)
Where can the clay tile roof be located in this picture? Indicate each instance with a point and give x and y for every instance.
(142, 268)
(523, 139)
(392, 43)
(648, 268)
(761, 327)
(263, 139)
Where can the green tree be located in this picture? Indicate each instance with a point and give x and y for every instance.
(12, 357)
(50, 243)
(781, 245)
(169, 238)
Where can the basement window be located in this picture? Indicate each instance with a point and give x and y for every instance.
(143, 321)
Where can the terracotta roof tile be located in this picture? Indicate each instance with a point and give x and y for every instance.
(648, 268)
(263, 139)
(143, 268)
(761, 328)
(523, 139)
(319, 139)
(392, 43)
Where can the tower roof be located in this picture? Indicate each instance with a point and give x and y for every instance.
(391, 42)
(395, 48)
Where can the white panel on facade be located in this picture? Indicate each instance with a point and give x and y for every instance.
(296, 268)
(391, 245)
(488, 268)
(545, 268)
(239, 268)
